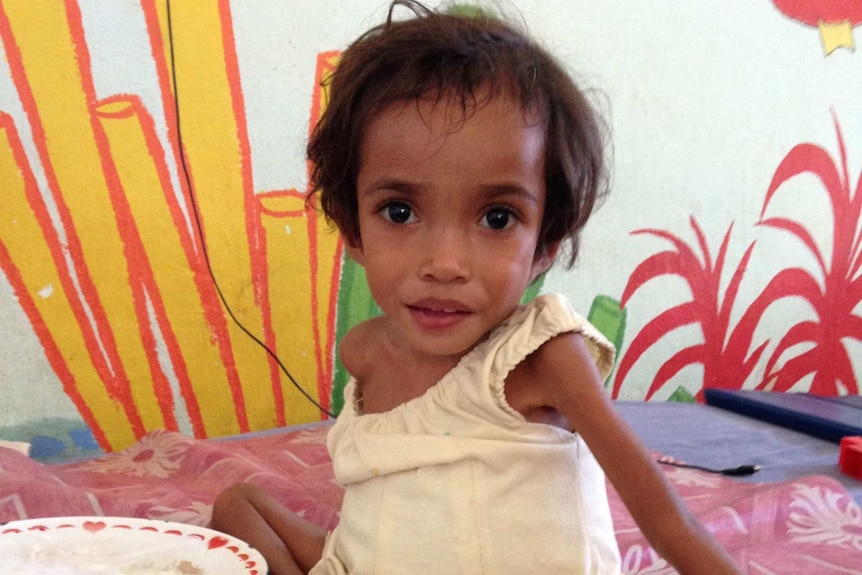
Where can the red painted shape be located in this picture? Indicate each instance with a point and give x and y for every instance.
(833, 292)
(726, 360)
(836, 293)
(813, 12)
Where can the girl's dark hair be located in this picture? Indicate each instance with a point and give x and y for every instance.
(469, 59)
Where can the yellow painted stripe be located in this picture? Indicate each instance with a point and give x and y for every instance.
(328, 256)
(145, 181)
(288, 260)
(328, 262)
(45, 41)
(214, 144)
(22, 235)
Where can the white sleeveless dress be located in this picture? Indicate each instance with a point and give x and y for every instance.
(457, 482)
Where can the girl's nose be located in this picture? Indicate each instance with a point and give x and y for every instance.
(445, 257)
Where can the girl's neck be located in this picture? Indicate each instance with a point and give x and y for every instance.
(394, 374)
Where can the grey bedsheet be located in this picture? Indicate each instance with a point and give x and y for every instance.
(715, 438)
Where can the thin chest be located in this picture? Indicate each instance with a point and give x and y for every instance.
(392, 384)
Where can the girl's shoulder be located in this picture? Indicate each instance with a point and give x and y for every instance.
(360, 346)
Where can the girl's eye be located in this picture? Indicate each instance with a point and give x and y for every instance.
(497, 218)
(397, 213)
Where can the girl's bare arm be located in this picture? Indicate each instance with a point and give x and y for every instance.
(568, 381)
(290, 544)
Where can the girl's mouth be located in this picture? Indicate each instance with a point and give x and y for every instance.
(438, 314)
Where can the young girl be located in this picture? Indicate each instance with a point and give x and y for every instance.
(456, 157)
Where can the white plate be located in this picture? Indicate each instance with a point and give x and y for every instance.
(121, 546)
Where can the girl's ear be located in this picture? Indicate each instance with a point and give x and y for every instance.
(544, 259)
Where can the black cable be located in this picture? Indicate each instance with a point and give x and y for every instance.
(730, 471)
(195, 212)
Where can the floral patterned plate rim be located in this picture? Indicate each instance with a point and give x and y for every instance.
(119, 545)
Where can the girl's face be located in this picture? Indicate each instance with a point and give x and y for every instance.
(449, 219)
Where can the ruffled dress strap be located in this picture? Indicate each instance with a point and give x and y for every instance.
(544, 318)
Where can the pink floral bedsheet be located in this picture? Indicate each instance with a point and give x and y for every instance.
(809, 525)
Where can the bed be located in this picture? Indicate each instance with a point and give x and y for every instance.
(798, 514)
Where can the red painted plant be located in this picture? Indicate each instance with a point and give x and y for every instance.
(726, 361)
(835, 293)
(832, 291)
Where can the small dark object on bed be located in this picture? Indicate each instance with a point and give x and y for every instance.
(730, 471)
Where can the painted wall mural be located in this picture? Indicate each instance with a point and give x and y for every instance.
(833, 292)
(729, 353)
(129, 257)
(150, 257)
(834, 19)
